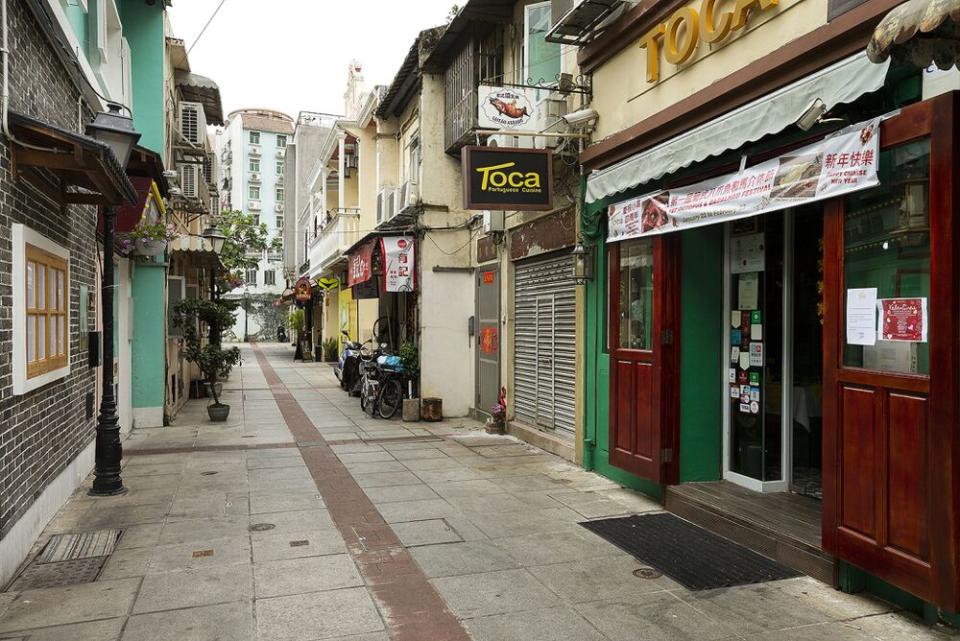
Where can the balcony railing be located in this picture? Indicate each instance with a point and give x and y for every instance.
(336, 236)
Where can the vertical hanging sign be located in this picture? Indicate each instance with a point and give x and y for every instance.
(398, 261)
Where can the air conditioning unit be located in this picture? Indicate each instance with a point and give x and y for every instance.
(409, 196)
(281, 153)
(190, 177)
(550, 109)
(390, 207)
(193, 122)
(278, 208)
(381, 204)
(254, 150)
(280, 179)
(253, 205)
(254, 177)
(506, 140)
(494, 221)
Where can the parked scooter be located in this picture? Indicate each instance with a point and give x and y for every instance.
(347, 370)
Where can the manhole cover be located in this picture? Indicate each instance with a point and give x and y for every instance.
(58, 574)
(81, 545)
(208, 473)
(647, 573)
(262, 527)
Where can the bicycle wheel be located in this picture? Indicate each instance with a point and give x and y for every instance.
(391, 398)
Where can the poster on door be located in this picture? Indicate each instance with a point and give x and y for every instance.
(842, 164)
(903, 319)
(398, 267)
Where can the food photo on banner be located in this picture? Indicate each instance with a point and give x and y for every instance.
(844, 163)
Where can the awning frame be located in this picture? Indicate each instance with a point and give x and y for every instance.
(840, 83)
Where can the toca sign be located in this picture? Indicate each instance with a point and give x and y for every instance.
(679, 37)
(507, 178)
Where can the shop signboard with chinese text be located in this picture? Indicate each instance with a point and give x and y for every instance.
(360, 265)
(507, 179)
(838, 165)
(398, 260)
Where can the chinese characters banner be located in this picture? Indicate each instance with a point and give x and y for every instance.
(398, 257)
(838, 165)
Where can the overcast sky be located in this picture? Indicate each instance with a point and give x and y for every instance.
(292, 55)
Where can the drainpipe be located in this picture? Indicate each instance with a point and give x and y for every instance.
(589, 435)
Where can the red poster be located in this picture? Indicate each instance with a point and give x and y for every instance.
(903, 319)
(489, 340)
(489, 278)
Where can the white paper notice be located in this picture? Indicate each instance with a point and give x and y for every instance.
(756, 332)
(748, 290)
(862, 316)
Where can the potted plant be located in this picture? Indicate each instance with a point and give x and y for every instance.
(297, 322)
(331, 349)
(410, 357)
(498, 414)
(151, 239)
(214, 362)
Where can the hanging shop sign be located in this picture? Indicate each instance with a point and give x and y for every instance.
(360, 267)
(680, 36)
(328, 283)
(398, 257)
(505, 107)
(303, 290)
(507, 178)
(839, 165)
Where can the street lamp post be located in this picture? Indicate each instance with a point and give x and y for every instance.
(117, 132)
(246, 315)
(216, 239)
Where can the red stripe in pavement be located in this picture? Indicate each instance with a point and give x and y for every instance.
(413, 609)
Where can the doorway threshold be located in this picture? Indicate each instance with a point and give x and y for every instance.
(783, 527)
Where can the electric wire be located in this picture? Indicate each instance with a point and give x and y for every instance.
(202, 31)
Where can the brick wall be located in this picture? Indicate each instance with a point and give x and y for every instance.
(43, 431)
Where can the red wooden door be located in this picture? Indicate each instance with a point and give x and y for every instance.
(890, 439)
(643, 343)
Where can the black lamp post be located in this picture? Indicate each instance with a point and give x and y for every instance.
(216, 239)
(117, 132)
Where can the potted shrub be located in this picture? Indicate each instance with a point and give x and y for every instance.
(214, 362)
(331, 350)
(151, 239)
(410, 357)
(297, 322)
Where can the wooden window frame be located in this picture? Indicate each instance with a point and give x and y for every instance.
(54, 267)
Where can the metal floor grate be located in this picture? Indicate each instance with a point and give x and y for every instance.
(696, 558)
(61, 573)
(82, 545)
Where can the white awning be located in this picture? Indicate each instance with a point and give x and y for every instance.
(837, 84)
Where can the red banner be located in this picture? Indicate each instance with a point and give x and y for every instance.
(360, 267)
(303, 290)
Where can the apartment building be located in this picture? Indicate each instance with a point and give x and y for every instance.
(252, 176)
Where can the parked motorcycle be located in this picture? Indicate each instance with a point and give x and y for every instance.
(281, 334)
(347, 369)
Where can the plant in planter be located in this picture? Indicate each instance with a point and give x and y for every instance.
(331, 349)
(498, 413)
(410, 357)
(214, 361)
(297, 321)
(151, 239)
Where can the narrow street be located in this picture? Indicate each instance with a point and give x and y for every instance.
(303, 519)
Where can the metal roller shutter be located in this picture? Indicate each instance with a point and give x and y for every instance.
(545, 339)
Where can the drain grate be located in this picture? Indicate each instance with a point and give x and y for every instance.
(82, 545)
(262, 527)
(58, 574)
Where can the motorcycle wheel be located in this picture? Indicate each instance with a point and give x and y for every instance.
(391, 398)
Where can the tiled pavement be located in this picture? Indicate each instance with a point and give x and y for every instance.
(302, 519)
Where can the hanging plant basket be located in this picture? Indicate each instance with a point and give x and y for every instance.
(150, 247)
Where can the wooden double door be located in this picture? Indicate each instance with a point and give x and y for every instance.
(891, 402)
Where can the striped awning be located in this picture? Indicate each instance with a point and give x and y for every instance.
(921, 32)
(199, 248)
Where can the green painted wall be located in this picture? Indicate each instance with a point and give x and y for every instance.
(149, 318)
(701, 354)
(143, 29)
(79, 20)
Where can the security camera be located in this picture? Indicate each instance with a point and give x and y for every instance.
(170, 174)
(812, 115)
(581, 118)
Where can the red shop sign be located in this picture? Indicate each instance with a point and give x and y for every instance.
(303, 290)
(360, 268)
